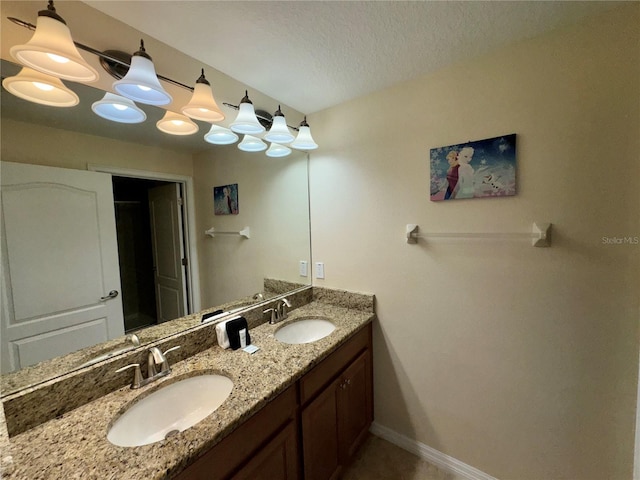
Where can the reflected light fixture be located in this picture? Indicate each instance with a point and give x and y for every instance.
(252, 144)
(279, 132)
(246, 122)
(141, 83)
(276, 150)
(118, 109)
(220, 136)
(51, 50)
(176, 124)
(202, 105)
(39, 88)
(304, 141)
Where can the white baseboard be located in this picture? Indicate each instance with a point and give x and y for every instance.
(459, 470)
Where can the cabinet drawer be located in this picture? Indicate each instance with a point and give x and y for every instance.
(227, 456)
(323, 373)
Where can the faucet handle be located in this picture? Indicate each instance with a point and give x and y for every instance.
(274, 314)
(165, 363)
(171, 349)
(137, 374)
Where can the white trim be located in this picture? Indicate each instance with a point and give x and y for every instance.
(459, 470)
(190, 220)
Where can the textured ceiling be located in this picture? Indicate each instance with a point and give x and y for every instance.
(315, 54)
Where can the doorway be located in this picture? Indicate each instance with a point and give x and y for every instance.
(187, 264)
(152, 251)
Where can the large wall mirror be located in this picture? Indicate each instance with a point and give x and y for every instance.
(162, 191)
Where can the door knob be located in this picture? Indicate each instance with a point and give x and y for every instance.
(112, 294)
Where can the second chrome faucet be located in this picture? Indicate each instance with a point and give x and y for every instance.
(155, 358)
(279, 312)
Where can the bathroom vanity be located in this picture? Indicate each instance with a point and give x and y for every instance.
(296, 411)
(332, 405)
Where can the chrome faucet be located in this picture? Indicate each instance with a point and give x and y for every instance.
(258, 297)
(155, 357)
(279, 312)
(282, 309)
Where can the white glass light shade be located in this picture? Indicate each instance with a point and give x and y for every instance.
(220, 136)
(246, 122)
(176, 124)
(51, 51)
(141, 83)
(202, 105)
(40, 88)
(252, 144)
(279, 132)
(118, 109)
(304, 141)
(277, 150)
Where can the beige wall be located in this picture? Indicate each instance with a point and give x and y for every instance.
(273, 202)
(519, 361)
(39, 145)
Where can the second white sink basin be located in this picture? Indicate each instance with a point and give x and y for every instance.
(305, 331)
(170, 410)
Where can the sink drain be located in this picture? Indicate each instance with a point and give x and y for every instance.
(171, 433)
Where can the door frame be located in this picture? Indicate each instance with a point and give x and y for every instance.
(189, 219)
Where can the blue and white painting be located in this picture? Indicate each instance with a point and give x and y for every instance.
(225, 200)
(483, 168)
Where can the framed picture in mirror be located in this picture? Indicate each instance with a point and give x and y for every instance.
(225, 200)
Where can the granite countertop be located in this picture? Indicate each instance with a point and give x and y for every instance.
(75, 445)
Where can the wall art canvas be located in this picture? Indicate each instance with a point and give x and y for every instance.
(225, 200)
(483, 168)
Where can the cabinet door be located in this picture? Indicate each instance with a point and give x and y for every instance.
(320, 436)
(355, 406)
(277, 460)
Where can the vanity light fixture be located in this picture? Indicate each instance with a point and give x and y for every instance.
(279, 132)
(246, 122)
(220, 136)
(39, 88)
(252, 144)
(176, 124)
(276, 150)
(118, 109)
(138, 81)
(51, 50)
(304, 141)
(141, 83)
(202, 105)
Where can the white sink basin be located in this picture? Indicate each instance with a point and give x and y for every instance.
(305, 331)
(170, 410)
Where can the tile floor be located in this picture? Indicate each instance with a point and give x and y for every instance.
(381, 460)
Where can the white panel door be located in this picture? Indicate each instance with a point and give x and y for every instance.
(59, 262)
(168, 251)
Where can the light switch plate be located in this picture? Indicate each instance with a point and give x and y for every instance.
(319, 270)
(303, 268)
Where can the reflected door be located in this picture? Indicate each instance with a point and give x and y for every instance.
(59, 263)
(165, 209)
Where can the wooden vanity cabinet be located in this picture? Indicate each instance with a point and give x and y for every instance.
(337, 415)
(322, 420)
(264, 447)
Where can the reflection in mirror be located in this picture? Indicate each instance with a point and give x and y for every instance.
(160, 195)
